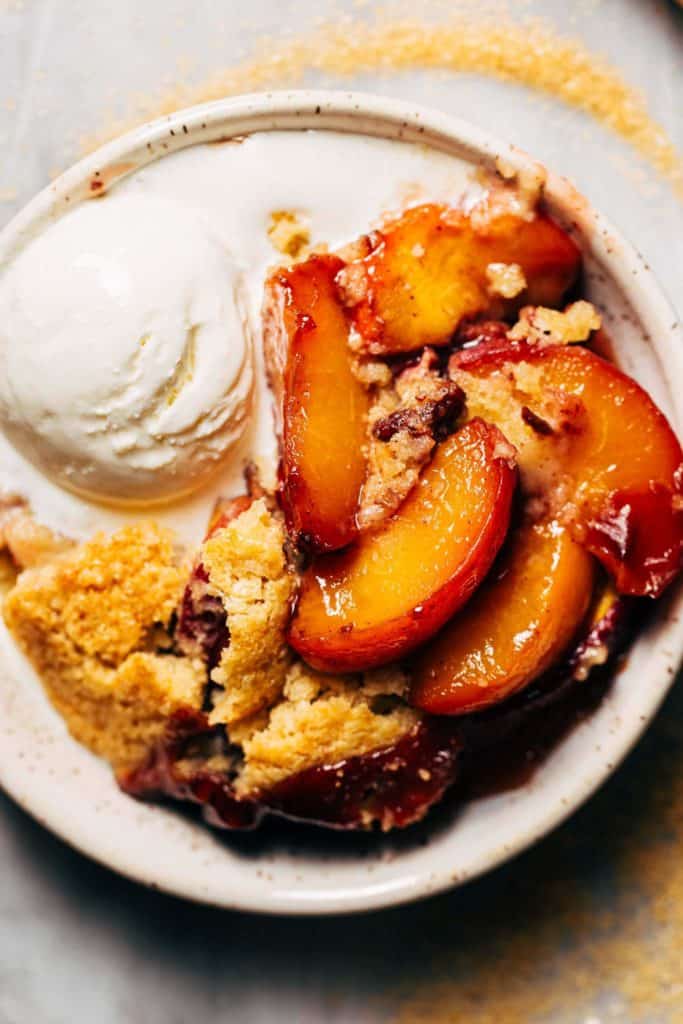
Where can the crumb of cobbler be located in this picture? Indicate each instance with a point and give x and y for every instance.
(540, 455)
(352, 284)
(517, 190)
(371, 372)
(541, 435)
(31, 543)
(289, 233)
(594, 656)
(248, 571)
(404, 424)
(323, 719)
(87, 622)
(553, 327)
(505, 279)
(509, 191)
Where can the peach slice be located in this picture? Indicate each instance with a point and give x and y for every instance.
(396, 587)
(322, 407)
(593, 445)
(506, 743)
(520, 621)
(427, 270)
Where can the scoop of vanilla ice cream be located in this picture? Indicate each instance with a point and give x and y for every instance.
(126, 365)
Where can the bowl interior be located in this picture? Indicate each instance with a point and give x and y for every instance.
(295, 870)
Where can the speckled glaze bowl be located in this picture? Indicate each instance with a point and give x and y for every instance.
(302, 871)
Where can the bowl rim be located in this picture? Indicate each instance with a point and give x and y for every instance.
(368, 114)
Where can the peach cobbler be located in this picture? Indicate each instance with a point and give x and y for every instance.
(471, 506)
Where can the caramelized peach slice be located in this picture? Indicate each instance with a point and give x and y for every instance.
(593, 445)
(396, 587)
(322, 407)
(427, 270)
(521, 620)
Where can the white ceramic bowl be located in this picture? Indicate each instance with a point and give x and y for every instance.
(296, 870)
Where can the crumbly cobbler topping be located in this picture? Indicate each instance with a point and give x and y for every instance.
(93, 620)
(541, 438)
(104, 598)
(554, 327)
(324, 719)
(404, 424)
(505, 279)
(289, 233)
(247, 570)
(88, 622)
